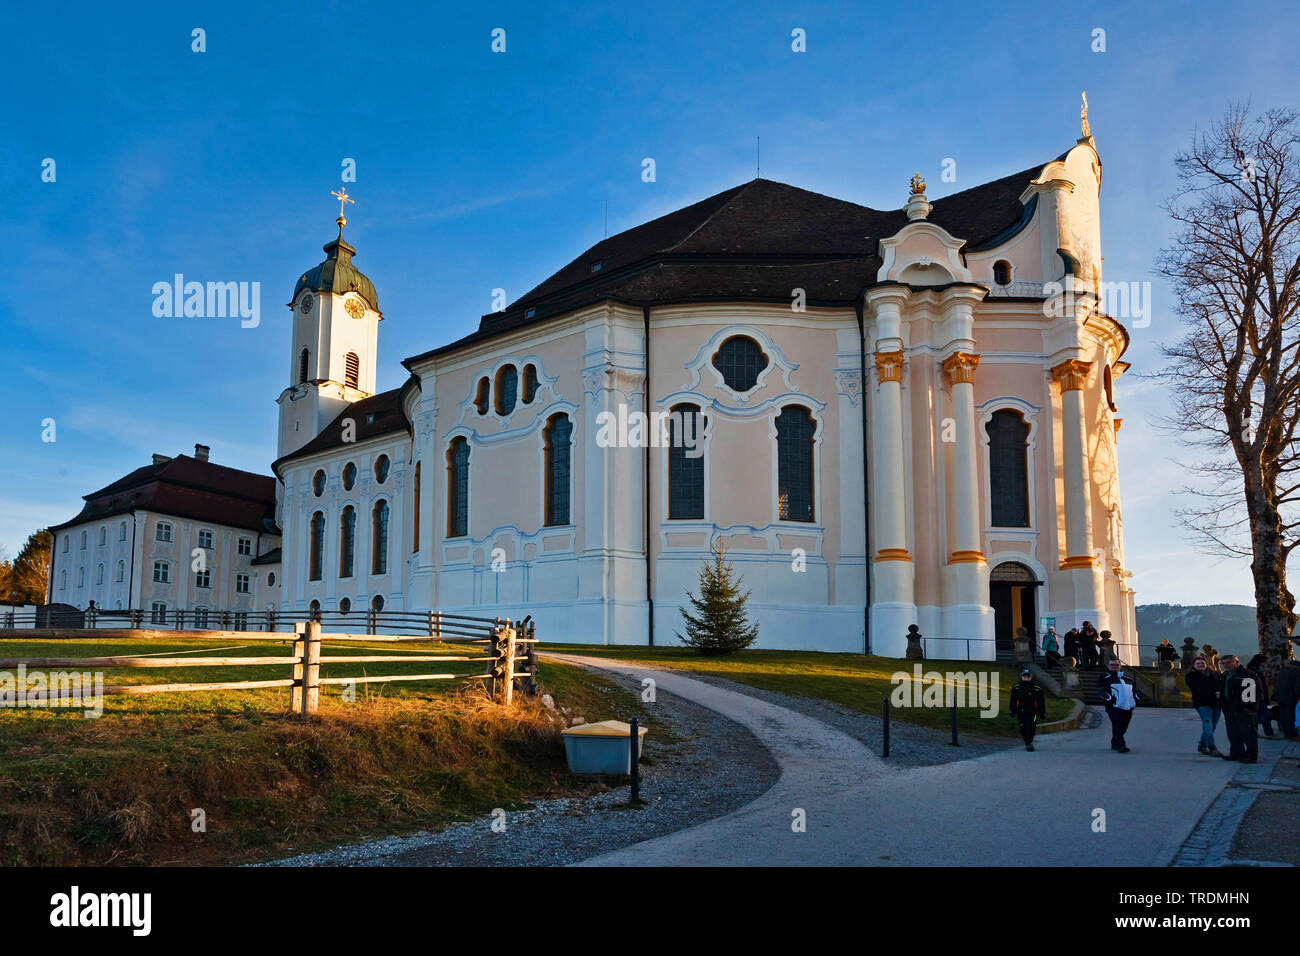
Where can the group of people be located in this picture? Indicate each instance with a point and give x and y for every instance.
(1239, 693)
(1090, 647)
(1220, 685)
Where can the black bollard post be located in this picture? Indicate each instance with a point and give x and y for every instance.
(953, 742)
(886, 728)
(635, 764)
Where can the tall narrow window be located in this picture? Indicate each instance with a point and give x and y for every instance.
(794, 463)
(685, 463)
(379, 564)
(559, 446)
(1009, 469)
(317, 550)
(530, 384)
(507, 389)
(415, 527)
(351, 369)
(347, 541)
(740, 360)
(302, 367)
(458, 488)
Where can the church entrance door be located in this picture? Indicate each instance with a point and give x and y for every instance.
(1013, 595)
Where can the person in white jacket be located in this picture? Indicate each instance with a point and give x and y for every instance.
(1116, 690)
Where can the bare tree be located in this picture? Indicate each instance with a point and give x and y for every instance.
(1234, 266)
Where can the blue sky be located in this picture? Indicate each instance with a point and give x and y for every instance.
(478, 170)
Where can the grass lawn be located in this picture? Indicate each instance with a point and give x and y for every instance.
(121, 788)
(853, 681)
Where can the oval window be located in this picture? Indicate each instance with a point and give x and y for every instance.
(318, 483)
(270, 579)
(381, 468)
(349, 476)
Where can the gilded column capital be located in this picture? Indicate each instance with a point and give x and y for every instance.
(960, 367)
(889, 366)
(1071, 374)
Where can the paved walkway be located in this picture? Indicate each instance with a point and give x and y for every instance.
(1006, 809)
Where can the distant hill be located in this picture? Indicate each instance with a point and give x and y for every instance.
(1229, 627)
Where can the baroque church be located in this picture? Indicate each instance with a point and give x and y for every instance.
(885, 418)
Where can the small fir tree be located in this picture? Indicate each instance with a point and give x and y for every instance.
(719, 625)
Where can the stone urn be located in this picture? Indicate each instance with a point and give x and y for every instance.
(915, 649)
(1070, 673)
(1024, 645)
(1107, 645)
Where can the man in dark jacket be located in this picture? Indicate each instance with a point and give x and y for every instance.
(1120, 697)
(1088, 638)
(1028, 706)
(1240, 708)
(1072, 645)
(1287, 695)
(1207, 698)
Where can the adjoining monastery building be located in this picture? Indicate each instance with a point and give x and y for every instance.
(886, 418)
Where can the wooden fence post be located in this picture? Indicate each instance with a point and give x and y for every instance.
(510, 666)
(299, 657)
(311, 675)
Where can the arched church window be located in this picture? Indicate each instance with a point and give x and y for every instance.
(1009, 469)
(379, 564)
(382, 465)
(303, 359)
(740, 360)
(458, 488)
(347, 541)
(318, 483)
(481, 396)
(317, 550)
(377, 602)
(559, 445)
(1002, 272)
(685, 463)
(345, 605)
(351, 370)
(530, 384)
(507, 389)
(349, 476)
(794, 463)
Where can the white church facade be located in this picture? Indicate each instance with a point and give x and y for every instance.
(886, 418)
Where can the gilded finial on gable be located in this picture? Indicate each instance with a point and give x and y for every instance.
(918, 185)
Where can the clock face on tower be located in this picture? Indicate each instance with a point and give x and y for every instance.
(355, 308)
(306, 304)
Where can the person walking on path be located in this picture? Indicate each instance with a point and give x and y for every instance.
(1116, 690)
(1264, 716)
(1028, 706)
(1287, 695)
(1207, 698)
(1051, 648)
(1240, 711)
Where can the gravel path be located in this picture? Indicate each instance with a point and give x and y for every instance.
(715, 767)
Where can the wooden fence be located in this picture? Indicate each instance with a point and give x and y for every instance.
(508, 651)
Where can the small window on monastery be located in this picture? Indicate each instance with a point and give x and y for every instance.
(481, 396)
(349, 476)
(351, 370)
(1002, 272)
(382, 466)
(302, 367)
(740, 360)
(318, 483)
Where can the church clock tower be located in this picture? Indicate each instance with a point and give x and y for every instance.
(332, 357)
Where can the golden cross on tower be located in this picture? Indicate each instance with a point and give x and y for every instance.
(343, 199)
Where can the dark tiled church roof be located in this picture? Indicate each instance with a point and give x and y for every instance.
(756, 242)
(186, 487)
(376, 415)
